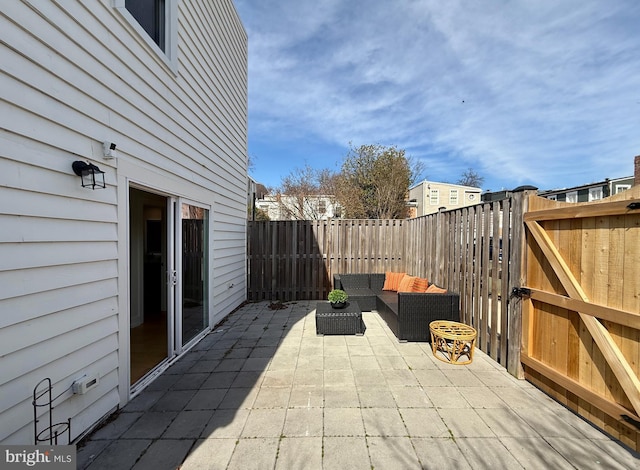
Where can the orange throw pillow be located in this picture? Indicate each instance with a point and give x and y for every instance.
(433, 289)
(420, 285)
(392, 280)
(406, 284)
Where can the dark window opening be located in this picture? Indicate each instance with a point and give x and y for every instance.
(151, 16)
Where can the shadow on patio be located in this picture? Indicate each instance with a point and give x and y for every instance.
(263, 391)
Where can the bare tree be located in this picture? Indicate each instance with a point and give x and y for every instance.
(251, 162)
(471, 178)
(306, 193)
(374, 182)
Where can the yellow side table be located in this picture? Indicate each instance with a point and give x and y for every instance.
(451, 341)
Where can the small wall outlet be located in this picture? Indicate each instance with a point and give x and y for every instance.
(85, 383)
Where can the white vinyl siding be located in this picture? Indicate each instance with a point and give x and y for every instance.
(75, 75)
(166, 50)
(59, 291)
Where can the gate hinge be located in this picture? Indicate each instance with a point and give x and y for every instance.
(520, 292)
(630, 420)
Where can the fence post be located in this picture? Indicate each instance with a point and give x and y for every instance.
(517, 277)
(440, 252)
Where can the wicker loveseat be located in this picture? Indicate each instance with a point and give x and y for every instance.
(407, 314)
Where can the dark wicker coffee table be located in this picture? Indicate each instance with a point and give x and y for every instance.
(342, 321)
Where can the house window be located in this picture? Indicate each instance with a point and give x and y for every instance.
(453, 197)
(553, 197)
(151, 16)
(322, 206)
(622, 187)
(157, 23)
(595, 194)
(572, 196)
(434, 197)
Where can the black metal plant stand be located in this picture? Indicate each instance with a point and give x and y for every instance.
(42, 397)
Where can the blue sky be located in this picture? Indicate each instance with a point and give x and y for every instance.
(541, 92)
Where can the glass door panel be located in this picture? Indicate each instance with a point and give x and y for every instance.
(149, 311)
(194, 281)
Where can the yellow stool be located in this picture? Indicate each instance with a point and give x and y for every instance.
(451, 340)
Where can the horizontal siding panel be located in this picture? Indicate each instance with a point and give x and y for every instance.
(235, 209)
(230, 257)
(64, 368)
(233, 248)
(37, 356)
(227, 271)
(60, 181)
(202, 24)
(16, 256)
(39, 329)
(29, 307)
(227, 305)
(65, 128)
(229, 222)
(204, 83)
(29, 203)
(37, 229)
(224, 64)
(236, 236)
(227, 263)
(29, 151)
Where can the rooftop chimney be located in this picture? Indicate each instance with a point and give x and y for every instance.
(636, 171)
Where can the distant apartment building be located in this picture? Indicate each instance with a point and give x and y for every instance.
(591, 191)
(428, 197)
(312, 207)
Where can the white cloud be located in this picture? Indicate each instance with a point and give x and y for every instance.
(522, 91)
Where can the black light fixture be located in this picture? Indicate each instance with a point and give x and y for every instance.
(92, 176)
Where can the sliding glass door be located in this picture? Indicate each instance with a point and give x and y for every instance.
(194, 280)
(169, 278)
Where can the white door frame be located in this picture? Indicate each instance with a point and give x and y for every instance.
(181, 348)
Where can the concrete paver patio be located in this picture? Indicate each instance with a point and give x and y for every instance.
(263, 391)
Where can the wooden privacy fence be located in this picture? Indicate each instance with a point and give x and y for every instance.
(295, 260)
(581, 324)
(475, 251)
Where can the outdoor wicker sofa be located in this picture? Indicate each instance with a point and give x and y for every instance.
(407, 314)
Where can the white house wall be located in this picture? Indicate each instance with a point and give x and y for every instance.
(75, 74)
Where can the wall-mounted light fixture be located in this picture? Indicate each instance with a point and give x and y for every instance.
(92, 177)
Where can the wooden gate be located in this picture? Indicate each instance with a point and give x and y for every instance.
(581, 322)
